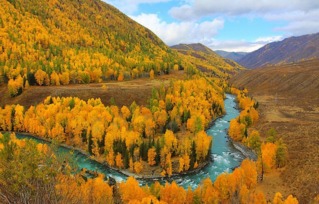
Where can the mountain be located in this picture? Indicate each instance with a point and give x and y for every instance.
(236, 56)
(291, 49)
(89, 40)
(207, 60)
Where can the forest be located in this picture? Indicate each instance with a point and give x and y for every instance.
(63, 184)
(62, 43)
(170, 130)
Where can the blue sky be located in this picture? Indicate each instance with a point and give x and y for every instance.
(230, 25)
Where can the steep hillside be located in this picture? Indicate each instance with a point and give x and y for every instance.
(86, 40)
(288, 101)
(292, 49)
(236, 56)
(207, 60)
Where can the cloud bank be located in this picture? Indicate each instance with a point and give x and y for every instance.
(180, 32)
(202, 20)
(200, 8)
(301, 16)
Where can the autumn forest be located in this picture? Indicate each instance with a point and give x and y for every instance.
(71, 44)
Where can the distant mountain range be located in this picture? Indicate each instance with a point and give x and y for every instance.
(236, 56)
(289, 50)
(207, 60)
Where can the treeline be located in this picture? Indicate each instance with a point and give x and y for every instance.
(61, 42)
(169, 131)
(45, 177)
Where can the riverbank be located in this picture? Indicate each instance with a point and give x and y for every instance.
(226, 157)
(246, 151)
(123, 172)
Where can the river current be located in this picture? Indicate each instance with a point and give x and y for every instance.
(225, 156)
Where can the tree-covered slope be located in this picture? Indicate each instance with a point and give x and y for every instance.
(207, 60)
(86, 40)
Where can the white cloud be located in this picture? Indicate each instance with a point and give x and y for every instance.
(199, 8)
(297, 17)
(194, 32)
(131, 6)
(242, 45)
(235, 46)
(268, 39)
(298, 22)
(182, 32)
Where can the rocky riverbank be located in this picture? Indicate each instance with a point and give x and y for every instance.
(246, 151)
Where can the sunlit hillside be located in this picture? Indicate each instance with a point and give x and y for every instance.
(207, 60)
(75, 42)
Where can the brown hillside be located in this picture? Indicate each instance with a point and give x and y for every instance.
(289, 50)
(288, 96)
(292, 79)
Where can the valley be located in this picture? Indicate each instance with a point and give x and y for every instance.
(170, 119)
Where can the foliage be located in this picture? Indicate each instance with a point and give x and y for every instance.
(120, 134)
(207, 61)
(33, 173)
(62, 42)
(273, 152)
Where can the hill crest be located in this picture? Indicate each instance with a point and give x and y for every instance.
(206, 60)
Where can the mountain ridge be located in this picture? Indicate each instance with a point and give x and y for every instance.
(289, 50)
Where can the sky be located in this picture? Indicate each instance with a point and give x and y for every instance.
(229, 25)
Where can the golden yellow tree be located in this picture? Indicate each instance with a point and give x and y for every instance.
(119, 161)
(151, 154)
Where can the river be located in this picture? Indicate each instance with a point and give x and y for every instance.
(225, 156)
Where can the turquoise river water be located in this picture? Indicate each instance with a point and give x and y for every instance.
(225, 156)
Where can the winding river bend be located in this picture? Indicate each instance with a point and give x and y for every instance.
(225, 156)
